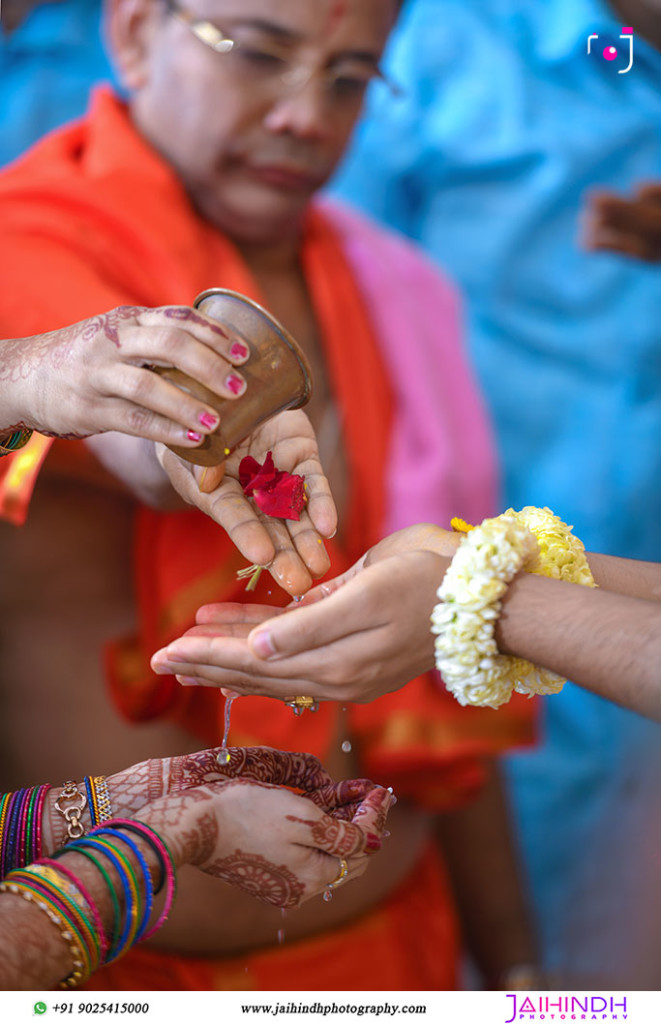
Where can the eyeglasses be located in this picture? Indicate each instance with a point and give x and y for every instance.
(269, 65)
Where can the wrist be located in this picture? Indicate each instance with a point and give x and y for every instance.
(155, 820)
(11, 405)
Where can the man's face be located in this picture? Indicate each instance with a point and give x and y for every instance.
(254, 132)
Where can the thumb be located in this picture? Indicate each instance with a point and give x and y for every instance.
(209, 477)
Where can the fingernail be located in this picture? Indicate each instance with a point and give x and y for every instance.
(193, 435)
(175, 655)
(209, 420)
(239, 350)
(235, 383)
(187, 681)
(263, 646)
(163, 668)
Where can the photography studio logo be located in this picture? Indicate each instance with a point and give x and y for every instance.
(612, 53)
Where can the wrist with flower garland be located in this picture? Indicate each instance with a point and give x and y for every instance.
(487, 560)
(466, 652)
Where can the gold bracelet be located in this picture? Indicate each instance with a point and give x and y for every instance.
(79, 972)
(101, 798)
(72, 814)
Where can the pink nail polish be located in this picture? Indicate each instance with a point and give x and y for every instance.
(207, 419)
(238, 350)
(235, 383)
(193, 435)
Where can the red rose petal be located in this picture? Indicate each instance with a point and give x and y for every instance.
(252, 474)
(275, 492)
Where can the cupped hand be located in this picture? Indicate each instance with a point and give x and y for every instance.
(293, 551)
(133, 787)
(353, 642)
(277, 846)
(95, 376)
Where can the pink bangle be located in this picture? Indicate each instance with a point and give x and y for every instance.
(165, 857)
(38, 821)
(58, 866)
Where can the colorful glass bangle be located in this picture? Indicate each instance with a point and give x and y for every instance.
(73, 904)
(129, 885)
(117, 914)
(168, 861)
(13, 442)
(149, 885)
(38, 821)
(158, 847)
(81, 966)
(20, 827)
(80, 886)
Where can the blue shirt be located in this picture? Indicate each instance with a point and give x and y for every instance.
(46, 69)
(504, 125)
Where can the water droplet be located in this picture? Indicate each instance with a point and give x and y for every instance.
(328, 896)
(386, 834)
(346, 746)
(281, 936)
(298, 712)
(228, 711)
(299, 598)
(314, 707)
(223, 756)
(283, 912)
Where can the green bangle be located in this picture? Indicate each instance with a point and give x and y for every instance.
(12, 442)
(111, 890)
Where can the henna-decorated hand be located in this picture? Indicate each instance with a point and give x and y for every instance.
(150, 780)
(131, 789)
(93, 377)
(293, 551)
(370, 636)
(265, 840)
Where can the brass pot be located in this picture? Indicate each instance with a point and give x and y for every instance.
(277, 375)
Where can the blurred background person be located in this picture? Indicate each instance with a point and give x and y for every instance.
(504, 126)
(50, 54)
